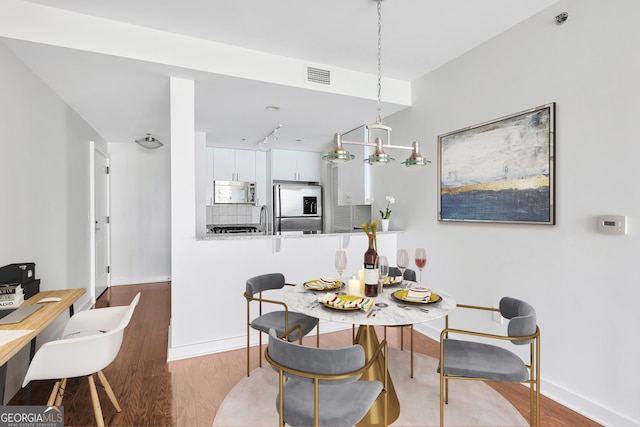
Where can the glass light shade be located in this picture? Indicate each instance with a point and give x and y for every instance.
(379, 156)
(337, 153)
(416, 159)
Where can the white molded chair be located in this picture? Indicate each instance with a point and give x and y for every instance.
(90, 341)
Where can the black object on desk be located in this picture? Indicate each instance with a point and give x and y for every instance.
(22, 273)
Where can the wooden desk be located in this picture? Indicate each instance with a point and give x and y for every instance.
(37, 322)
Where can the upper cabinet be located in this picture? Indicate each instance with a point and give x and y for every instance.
(291, 165)
(234, 165)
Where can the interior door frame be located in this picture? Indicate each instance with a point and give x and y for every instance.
(95, 150)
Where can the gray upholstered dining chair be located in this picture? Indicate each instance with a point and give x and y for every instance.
(321, 386)
(475, 360)
(409, 274)
(280, 320)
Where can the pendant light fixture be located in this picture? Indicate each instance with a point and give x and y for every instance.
(339, 154)
(149, 142)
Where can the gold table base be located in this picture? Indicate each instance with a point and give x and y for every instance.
(368, 339)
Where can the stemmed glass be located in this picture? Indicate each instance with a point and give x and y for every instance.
(421, 260)
(341, 264)
(402, 260)
(383, 272)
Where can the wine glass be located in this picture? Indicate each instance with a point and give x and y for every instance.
(402, 260)
(341, 264)
(383, 272)
(421, 260)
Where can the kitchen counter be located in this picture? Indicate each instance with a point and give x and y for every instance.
(260, 236)
(217, 267)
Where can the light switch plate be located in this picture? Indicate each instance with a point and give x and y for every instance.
(612, 224)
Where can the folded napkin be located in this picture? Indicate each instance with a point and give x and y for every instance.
(328, 281)
(392, 279)
(336, 301)
(418, 295)
(321, 284)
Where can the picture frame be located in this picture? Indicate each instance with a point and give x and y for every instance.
(500, 171)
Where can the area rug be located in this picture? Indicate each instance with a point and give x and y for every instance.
(471, 403)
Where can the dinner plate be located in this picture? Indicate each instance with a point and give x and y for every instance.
(392, 280)
(401, 294)
(349, 298)
(318, 285)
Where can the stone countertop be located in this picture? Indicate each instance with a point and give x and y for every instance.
(289, 235)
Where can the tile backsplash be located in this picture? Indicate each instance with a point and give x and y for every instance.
(233, 214)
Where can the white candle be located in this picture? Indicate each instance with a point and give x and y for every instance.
(354, 287)
(361, 279)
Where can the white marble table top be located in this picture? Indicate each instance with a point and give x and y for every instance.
(396, 313)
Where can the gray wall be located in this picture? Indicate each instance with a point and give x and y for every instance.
(583, 284)
(140, 214)
(44, 188)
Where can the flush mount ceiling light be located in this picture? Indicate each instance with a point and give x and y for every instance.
(379, 133)
(149, 142)
(262, 143)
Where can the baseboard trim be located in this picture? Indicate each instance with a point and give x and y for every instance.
(235, 343)
(120, 281)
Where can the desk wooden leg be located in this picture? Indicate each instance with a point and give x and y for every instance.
(368, 339)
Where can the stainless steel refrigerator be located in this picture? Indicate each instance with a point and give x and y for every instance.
(297, 208)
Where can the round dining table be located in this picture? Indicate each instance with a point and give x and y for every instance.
(388, 311)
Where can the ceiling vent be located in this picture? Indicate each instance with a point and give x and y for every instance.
(318, 75)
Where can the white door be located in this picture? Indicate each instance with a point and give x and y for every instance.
(101, 221)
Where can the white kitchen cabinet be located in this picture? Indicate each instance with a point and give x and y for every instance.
(354, 177)
(234, 165)
(292, 165)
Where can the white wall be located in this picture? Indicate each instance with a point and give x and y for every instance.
(44, 188)
(584, 285)
(140, 214)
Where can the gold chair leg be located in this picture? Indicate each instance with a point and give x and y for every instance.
(441, 402)
(54, 394)
(411, 327)
(402, 338)
(260, 348)
(318, 335)
(109, 390)
(248, 348)
(97, 410)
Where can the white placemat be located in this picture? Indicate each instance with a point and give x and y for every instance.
(8, 336)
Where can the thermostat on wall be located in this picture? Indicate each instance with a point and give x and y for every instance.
(612, 224)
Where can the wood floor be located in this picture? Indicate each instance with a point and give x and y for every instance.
(187, 393)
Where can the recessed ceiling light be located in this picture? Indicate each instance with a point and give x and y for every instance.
(299, 139)
(272, 107)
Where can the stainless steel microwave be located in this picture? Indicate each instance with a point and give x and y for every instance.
(234, 192)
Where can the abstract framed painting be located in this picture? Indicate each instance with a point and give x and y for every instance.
(500, 171)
